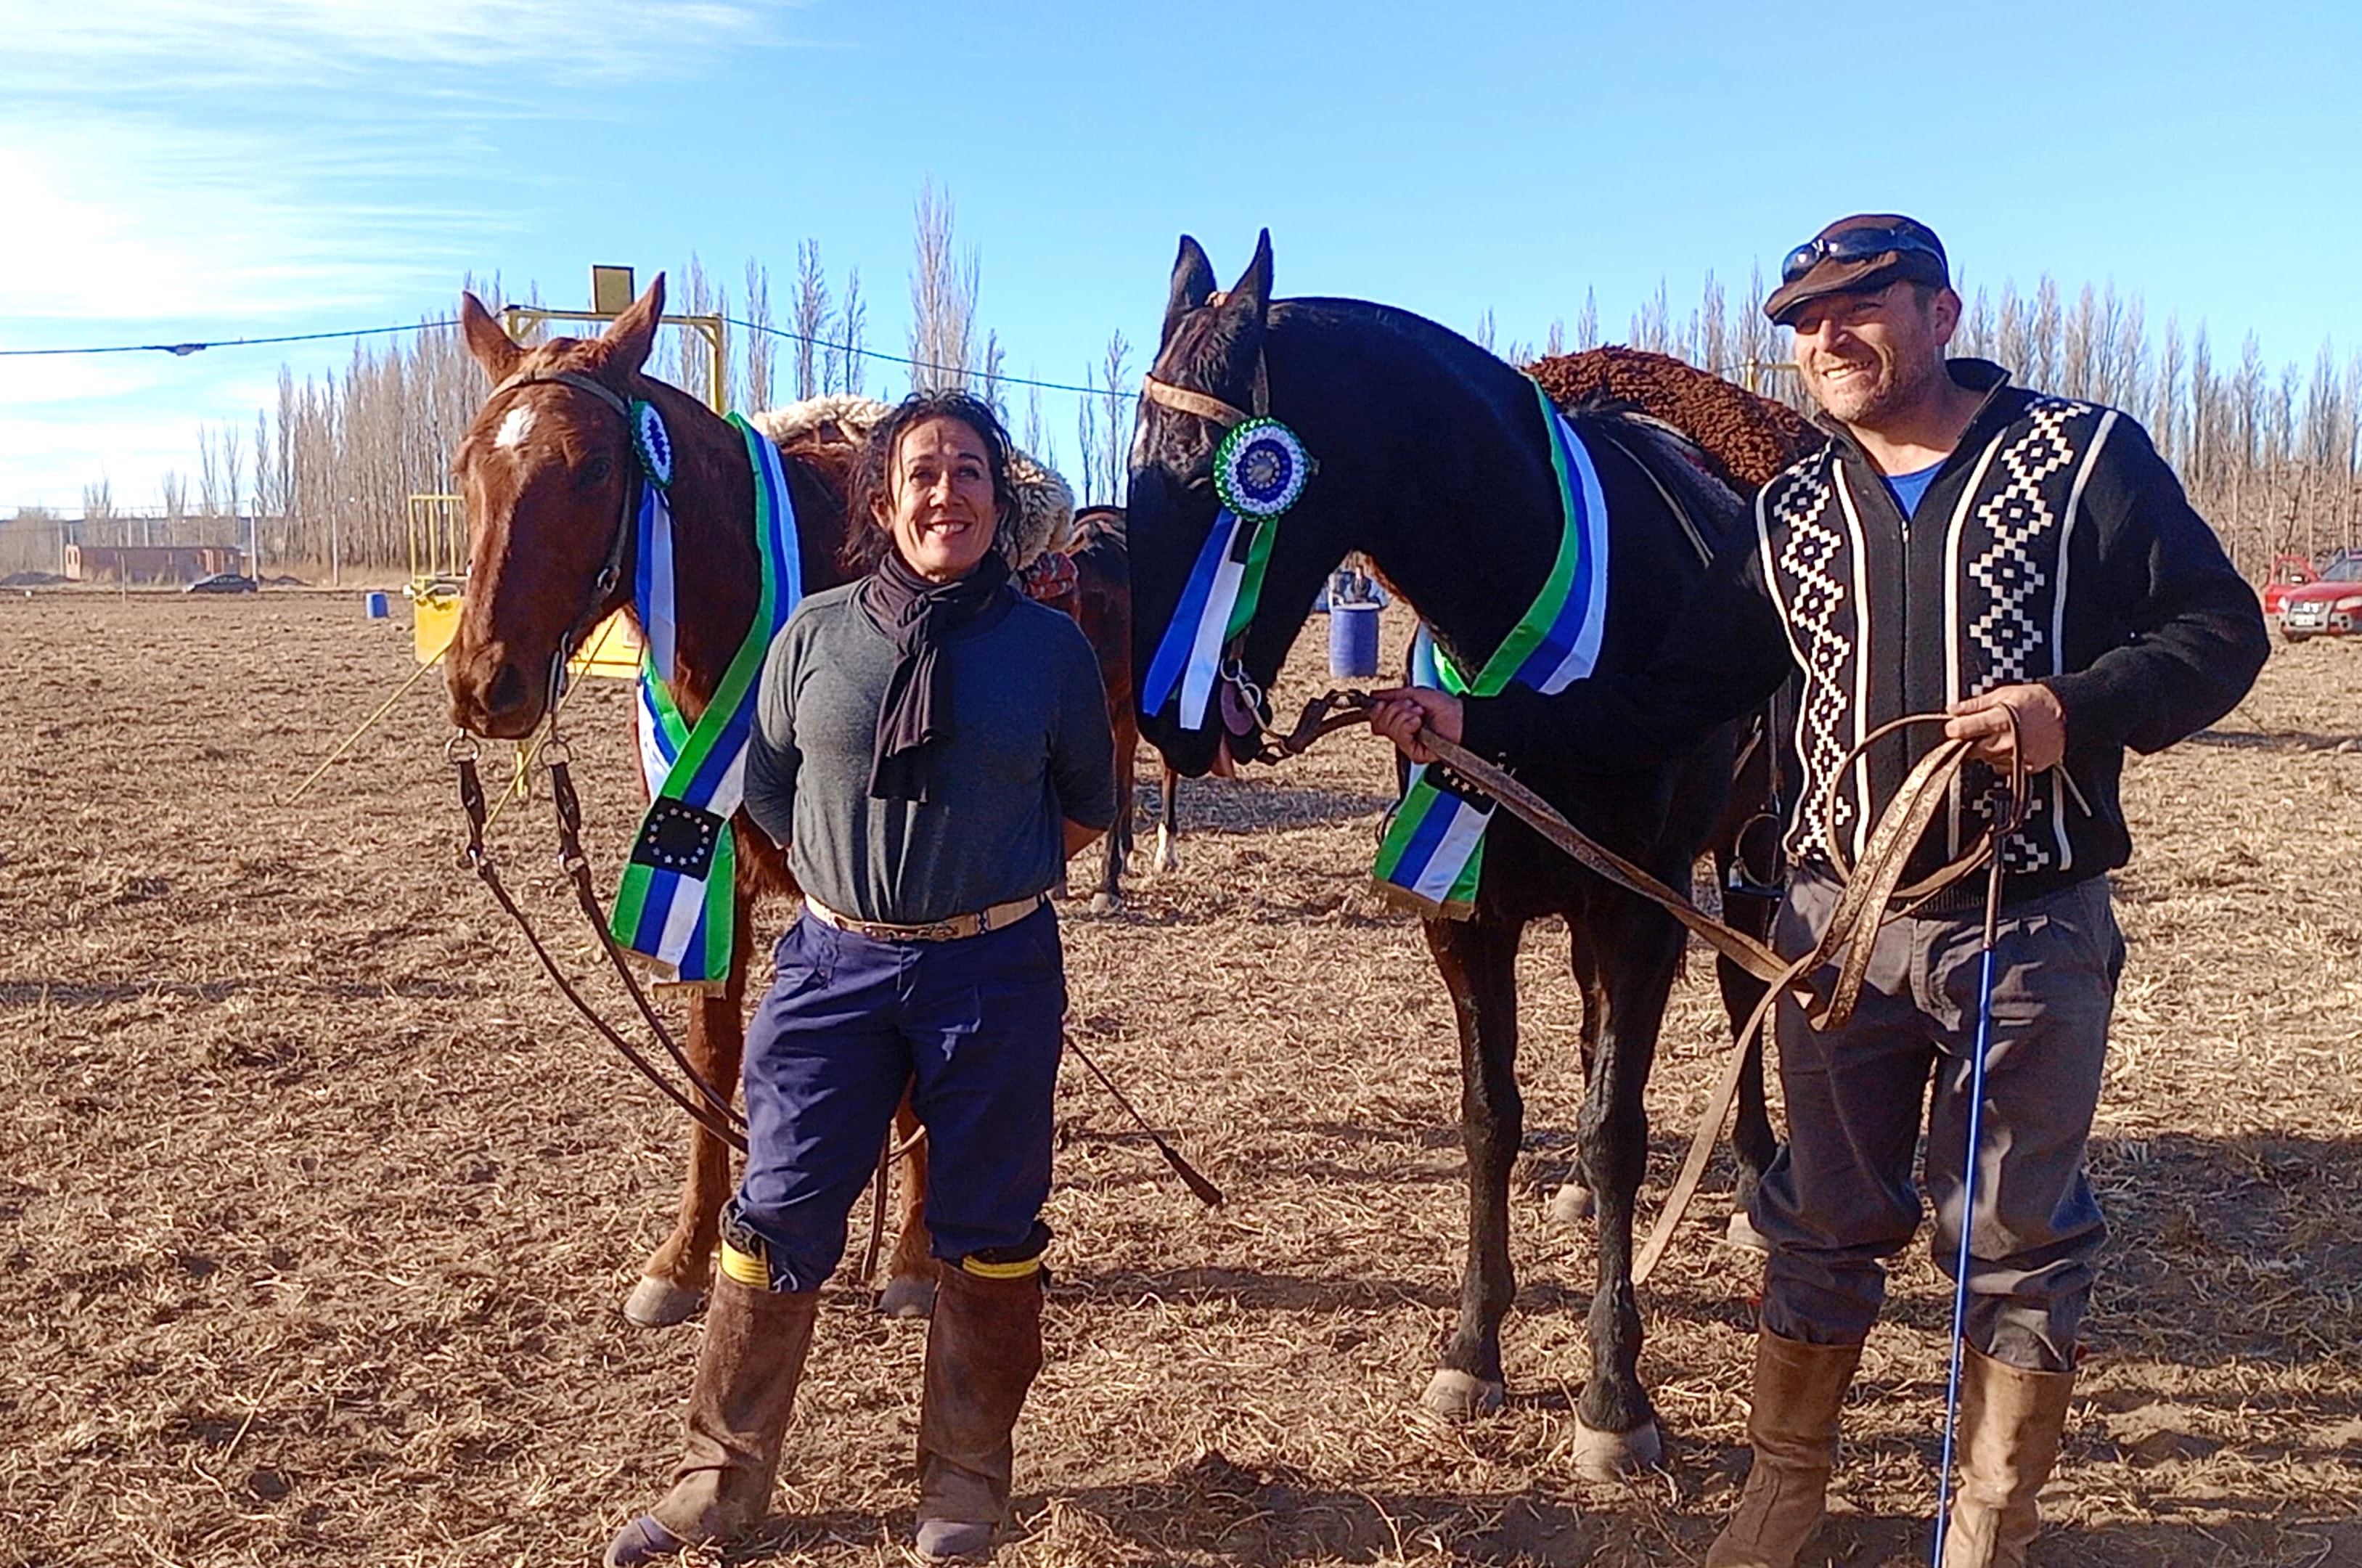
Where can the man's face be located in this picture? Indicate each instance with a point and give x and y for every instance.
(1867, 357)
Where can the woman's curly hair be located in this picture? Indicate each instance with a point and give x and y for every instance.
(873, 476)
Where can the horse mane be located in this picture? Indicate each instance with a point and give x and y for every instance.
(828, 433)
(1748, 439)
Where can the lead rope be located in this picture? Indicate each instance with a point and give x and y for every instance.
(1874, 894)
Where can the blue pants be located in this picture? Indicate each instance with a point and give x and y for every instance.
(972, 1027)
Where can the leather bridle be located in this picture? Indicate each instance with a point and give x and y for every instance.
(619, 543)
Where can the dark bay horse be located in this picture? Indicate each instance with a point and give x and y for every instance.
(546, 469)
(1091, 580)
(1434, 461)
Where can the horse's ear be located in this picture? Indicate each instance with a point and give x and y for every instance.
(624, 346)
(495, 349)
(1193, 284)
(1253, 291)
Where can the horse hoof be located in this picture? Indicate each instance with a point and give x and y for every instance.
(1742, 1234)
(1571, 1204)
(906, 1299)
(1166, 857)
(1609, 1456)
(660, 1303)
(1105, 904)
(1460, 1396)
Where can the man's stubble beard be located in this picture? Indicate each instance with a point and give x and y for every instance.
(1869, 407)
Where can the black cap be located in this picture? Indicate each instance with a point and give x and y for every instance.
(1855, 255)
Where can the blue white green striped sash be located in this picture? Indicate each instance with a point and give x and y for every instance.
(1432, 854)
(678, 903)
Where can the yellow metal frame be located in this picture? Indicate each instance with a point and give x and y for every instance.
(439, 580)
(516, 318)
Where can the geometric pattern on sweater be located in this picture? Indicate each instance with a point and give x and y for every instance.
(1801, 508)
(2006, 546)
(2015, 543)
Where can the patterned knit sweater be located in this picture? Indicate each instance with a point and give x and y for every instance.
(2054, 545)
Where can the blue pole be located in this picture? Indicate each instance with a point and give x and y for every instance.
(2006, 817)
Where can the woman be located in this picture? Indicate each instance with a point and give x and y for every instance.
(930, 749)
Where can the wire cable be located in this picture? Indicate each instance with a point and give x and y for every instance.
(183, 350)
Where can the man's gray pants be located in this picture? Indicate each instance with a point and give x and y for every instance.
(1839, 1199)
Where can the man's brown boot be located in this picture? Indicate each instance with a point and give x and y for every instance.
(1794, 1429)
(2010, 1422)
(747, 1368)
(984, 1346)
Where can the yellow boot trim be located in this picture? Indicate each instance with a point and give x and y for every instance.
(746, 1268)
(983, 1270)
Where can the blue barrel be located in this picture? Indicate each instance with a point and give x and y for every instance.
(1352, 641)
(376, 605)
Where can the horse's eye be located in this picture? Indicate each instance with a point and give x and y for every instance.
(596, 471)
(1199, 483)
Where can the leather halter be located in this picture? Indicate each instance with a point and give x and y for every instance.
(612, 571)
(1188, 400)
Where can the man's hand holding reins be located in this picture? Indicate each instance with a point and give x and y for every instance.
(2040, 733)
(1400, 714)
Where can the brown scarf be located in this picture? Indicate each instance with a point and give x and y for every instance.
(921, 615)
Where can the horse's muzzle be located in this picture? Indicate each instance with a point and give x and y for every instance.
(491, 695)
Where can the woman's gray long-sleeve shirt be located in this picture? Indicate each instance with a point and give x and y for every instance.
(1028, 751)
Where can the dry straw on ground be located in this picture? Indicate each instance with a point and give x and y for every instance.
(318, 1207)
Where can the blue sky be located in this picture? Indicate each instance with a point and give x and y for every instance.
(174, 170)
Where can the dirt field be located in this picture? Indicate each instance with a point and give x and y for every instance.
(317, 1207)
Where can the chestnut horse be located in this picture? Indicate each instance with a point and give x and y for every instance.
(547, 467)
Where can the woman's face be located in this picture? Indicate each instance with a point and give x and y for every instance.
(939, 502)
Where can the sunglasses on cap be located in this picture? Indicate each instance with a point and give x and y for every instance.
(1857, 245)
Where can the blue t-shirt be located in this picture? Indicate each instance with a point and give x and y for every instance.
(1909, 487)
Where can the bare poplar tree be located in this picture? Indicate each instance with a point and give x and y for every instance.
(813, 375)
(990, 370)
(1114, 467)
(1586, 326)
(1087, 437)
(852, 323)
(762, 349)
(942, 295)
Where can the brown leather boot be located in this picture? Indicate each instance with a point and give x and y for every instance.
(2010, 1422)
(1794, 1429)
(747, 1368)
(984, 1346)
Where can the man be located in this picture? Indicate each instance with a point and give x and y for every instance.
(1968, 547)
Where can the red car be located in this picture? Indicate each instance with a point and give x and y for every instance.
(2329, 607)
(2288, 572)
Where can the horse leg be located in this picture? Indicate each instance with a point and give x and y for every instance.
(1573, 1203)
(672, 1282)
(1168, 833)
(1638, 949)
(911, 1276)
(1119, 834)
(1479, 963)
(1752, 1138)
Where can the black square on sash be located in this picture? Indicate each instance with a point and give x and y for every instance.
(1450, 783)
(677, 836)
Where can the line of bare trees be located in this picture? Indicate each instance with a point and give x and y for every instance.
(2272, 457)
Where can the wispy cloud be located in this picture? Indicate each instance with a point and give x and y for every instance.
(189, 166)
(138, 44)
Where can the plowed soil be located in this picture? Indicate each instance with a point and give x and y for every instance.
(317, 1206)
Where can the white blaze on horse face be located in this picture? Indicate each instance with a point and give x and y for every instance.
(515, 428)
